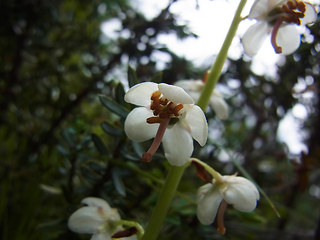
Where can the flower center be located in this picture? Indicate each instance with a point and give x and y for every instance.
(165, 112)
(290, 12)
(162, 108)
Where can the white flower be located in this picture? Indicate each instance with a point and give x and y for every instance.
(165, 113)
(280, 18)
(237, 191)
(97, 218)
(194, 88)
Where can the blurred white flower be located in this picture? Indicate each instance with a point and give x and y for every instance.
(97, 218)
(194, 89)
(280, 18)
(165, 113)
(237, 191)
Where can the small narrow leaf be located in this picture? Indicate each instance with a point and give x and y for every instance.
(132, 77)
(157, 78)
(112, 130)
(120, 92)
(113, 106)
(118, 183)
(99, 144)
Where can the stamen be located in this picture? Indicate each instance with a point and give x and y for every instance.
(177, 109)
(221, 229)
(152, 120)
(274, 33)
(147, 156)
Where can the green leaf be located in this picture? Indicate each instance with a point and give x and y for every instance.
(111, 130)
(118, 183)
(132, 77)
(99, 144)
(113, 106)
(120, 92)
(63, 151)
(157, 78)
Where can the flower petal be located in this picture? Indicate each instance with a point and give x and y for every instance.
(254, 37)
(175, 94)
(97, 202)
(208, 202)
(86, 220)
(219, 105)
(136, 126)
(288, 38)
(241, 193)
(178, 145)
(101, 236)
(197, 124)
(259, 9)
(190, 85)
(310, 14)
(140, 94)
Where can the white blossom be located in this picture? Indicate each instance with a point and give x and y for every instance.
(279, 18)
(237, 191)
(168, 114)
(96, 218)
(194, 89)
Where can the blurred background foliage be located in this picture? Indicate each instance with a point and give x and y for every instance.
(61, 125)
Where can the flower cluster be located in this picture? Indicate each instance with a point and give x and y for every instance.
(279, 18)
(168, 114)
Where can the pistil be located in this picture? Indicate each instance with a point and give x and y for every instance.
(147, 156)
(274, 33)
(222, 209)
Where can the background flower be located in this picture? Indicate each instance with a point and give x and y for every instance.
(194, 88)
(278, 18)
(97, 218)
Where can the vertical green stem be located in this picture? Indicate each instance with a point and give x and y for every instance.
(175, 173)
(163, 203)
(216, 68)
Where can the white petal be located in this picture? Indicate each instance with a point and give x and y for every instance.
(254, 37)
(208, 202)
(190, 85)
(136, 127)
(310, 14)
(175, 94)
(197, 124)
(288, 38)
(140, 94)
(86, 220)
(96, 202)
(220, 106)
(242, 194)
(101, 236)
(178, 145)
(260, 9)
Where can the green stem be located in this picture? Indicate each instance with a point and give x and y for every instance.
(175, 173)
(216, 68)
(163, 203)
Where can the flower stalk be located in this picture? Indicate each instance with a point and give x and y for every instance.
(163, 203)
(216, 68)
(173, 179)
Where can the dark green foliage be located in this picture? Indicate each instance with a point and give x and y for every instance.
(61, 126)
